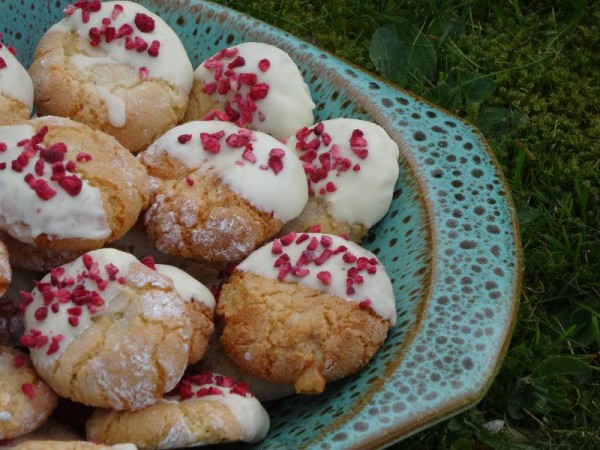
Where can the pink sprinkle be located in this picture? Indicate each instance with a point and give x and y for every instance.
(154, 49)
(83, 157)
(303, 237)
(19, 361)
(144, 22)
(143, 73)
(73, 321)
(210, 143)
(324, 277)
(117, 9)
(356, 167)
(349, 258)
(148, 261)
(362, 153)
(264, 65)
(330, 187)
(239, 61)
(259, 91)
(315, 228)
(209, 88)
(365, 304)
(326, 241)
(357, 140)
(288, 238)
(277, 153)
(27, 389)
(189, 181)
(249, 79)
(277, 248)
(183, 138)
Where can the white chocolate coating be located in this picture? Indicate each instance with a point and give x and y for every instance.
(288, 104)
(371, 285)
(251, 416)
(283, 193)
(14, 79)
(24, 215)
(172, 63)
(115, 106)
(188, 288)
(56, 324)
(360, 196)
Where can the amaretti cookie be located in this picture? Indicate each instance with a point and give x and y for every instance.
(219, 191)
(5, 270)
(107, 331)
(352, 167)
(66, 189)
(115, 66)
(204, 409)
(306, 309)
(16, 88)
(253, 85)
(25, 400)
(200, 306)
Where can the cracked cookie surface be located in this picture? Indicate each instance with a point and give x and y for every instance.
(107, 331)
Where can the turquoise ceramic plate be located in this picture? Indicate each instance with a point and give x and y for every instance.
(450, 241)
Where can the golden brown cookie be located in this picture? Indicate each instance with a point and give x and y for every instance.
(107, 331)
(253, 85)
(16, 89)
(5, 270)
(199, 304)
(218, 191)
(215, 360)
(69, 189)
(116, 67)
(204, 409)
(306, 309)
(351, 167)
(25, 400)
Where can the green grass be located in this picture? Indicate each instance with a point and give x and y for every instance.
(528, 74)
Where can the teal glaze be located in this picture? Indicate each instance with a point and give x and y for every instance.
(450, 241)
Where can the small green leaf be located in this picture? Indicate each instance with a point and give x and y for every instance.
(402, 53)
(385, 52)
(495, 122)
(476, 88)
(565, 365)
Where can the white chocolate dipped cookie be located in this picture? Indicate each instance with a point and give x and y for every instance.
(219, 191)
(116, 67)
(107, 331)
(66, 189)
(306, 309)
(253, 85)
(352, 167)
(203, 409)
(200, 306)
(25, 400)
(16, 88)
